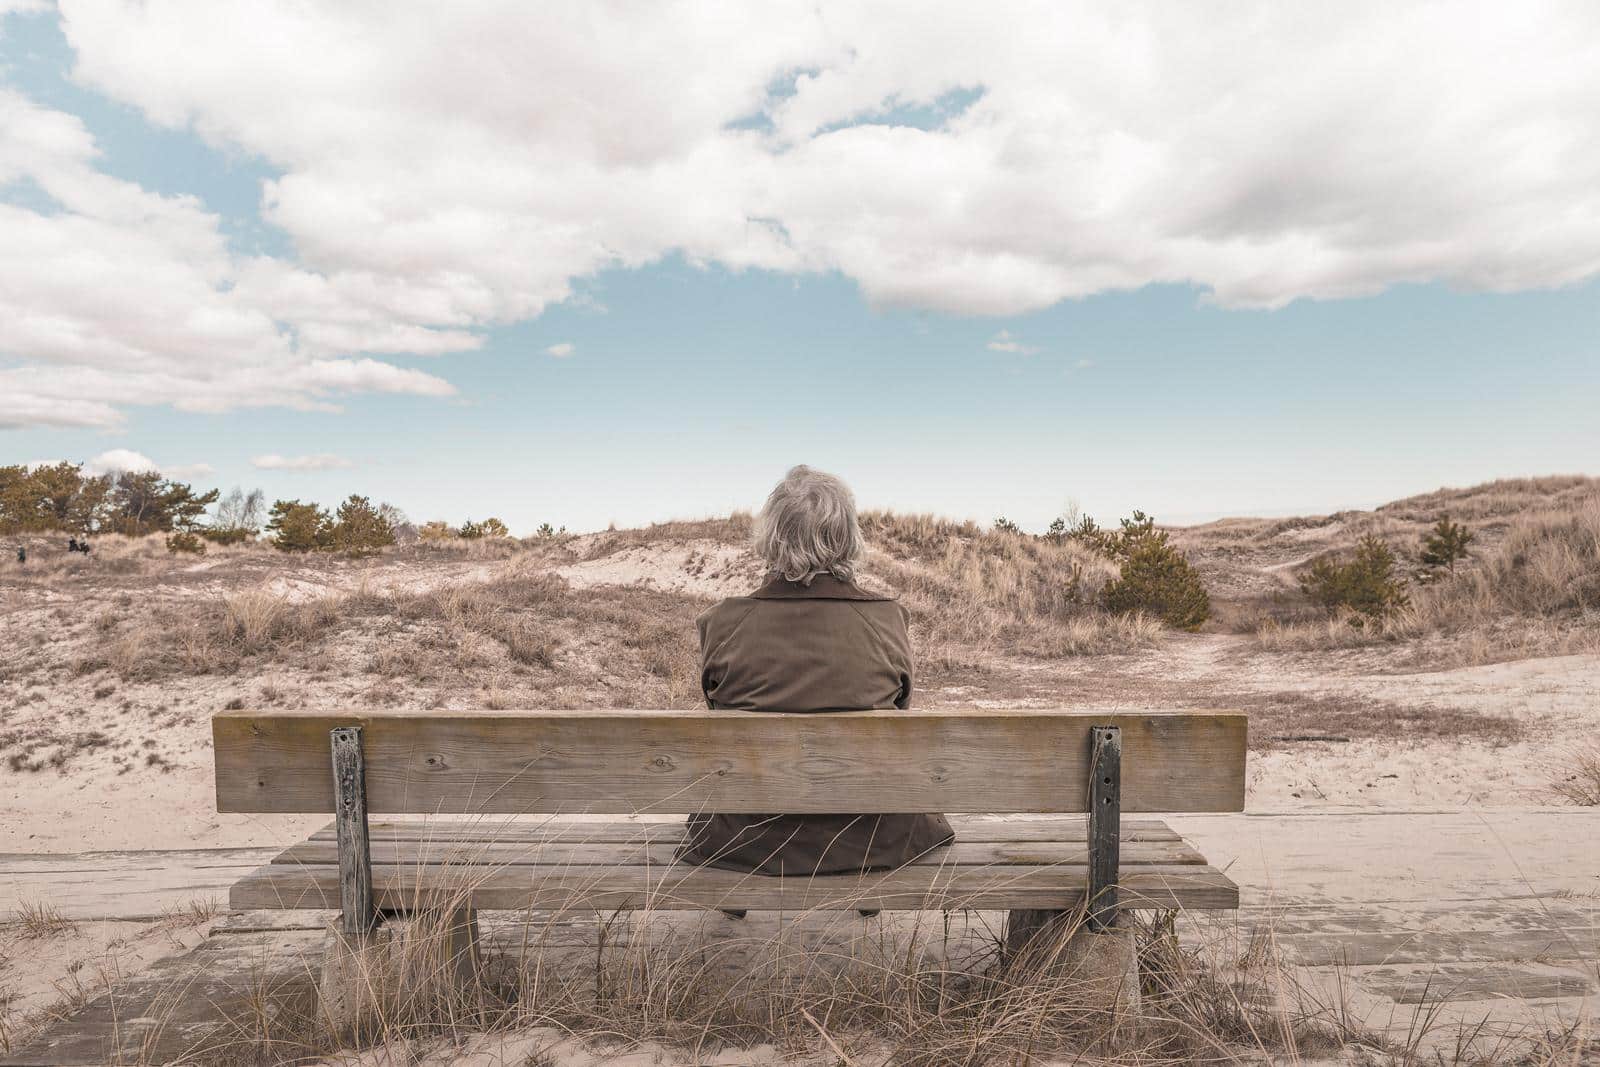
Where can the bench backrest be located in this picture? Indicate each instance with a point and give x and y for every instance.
(613, 762)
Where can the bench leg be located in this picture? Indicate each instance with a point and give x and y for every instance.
(1023, 925)
(427, 957)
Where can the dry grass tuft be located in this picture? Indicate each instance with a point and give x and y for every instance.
(1580, 784)
(40, 918)
(1284, 718)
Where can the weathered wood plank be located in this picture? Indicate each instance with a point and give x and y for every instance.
(174, 1012)
(123, 885)
(1105, 824)
(1370, 948)
(610, 762)
(357, 915)
(1496, 981)
(511, 829)
(562, 853)
(591, 887)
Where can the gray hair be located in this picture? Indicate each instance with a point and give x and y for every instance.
(809, 527)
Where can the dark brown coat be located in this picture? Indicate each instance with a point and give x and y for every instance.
(829, 646)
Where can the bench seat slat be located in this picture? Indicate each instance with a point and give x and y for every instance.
(591, 888)
(967, 828)
(660, 853)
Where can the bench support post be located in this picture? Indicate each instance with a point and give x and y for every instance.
(1105, 825)
(358, 917)
(1105, 851)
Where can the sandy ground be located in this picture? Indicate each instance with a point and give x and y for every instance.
(96, 803)
(137, 769)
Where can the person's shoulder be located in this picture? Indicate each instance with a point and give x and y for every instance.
(884, 612)
(724, 614)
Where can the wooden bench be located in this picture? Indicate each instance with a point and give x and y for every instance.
(627, 763)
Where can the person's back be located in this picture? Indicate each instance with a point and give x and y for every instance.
(811, 641)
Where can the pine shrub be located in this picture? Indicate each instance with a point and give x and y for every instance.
(1366, 584)
(361, 529)
(1445, 544)
(1157, 580)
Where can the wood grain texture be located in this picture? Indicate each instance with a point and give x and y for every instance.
(357, 915)
(611, 762)
(595, 831)
(1105, 825)
(558, 854)
(604, 888)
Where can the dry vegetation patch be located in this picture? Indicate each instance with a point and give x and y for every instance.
(1282, 719)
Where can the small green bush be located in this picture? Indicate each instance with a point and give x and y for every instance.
(1445, 544)
(186, 541)
(361, 529)
(297, 527)
(227, 535)
(1366, 584)
(490, 527)
(1156, 579)
(437, 531)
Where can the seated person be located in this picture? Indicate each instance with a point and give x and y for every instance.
(809, 640)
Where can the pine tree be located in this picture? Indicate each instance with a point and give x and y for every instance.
(297, 527)
(1445, 544)
(1366, 584)
(361, 528)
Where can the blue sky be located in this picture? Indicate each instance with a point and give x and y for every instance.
(1274, 347)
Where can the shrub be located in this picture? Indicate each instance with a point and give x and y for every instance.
(227, 535)
(186, 541)
(1157, 579)
(297, 527)
(545, 531)
(361, 529)
(1445, 544)
(1366, 584)
(437, 531)
(490, 527)
(1005, 525)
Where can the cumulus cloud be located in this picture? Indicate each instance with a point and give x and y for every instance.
(321, 462)
(562, 349)
(439, 175)
(120, 296)
(1004, 342)
(119, 460)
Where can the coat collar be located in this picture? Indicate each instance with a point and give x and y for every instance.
(822, 587)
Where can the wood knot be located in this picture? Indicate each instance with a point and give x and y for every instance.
(435, 761)
(663, 763)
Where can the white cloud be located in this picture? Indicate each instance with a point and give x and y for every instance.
(119, 460)
(321, 462)
(562, 350)
(121, 296)
(440, 174)
(1004, 342)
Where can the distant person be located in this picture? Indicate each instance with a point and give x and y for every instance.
(72, 544)
(83, 546)
(809, 640)
(22, 553)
